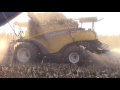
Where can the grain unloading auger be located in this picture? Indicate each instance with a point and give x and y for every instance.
(63, 39)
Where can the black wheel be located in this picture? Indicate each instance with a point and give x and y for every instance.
(26, 53)
(74, 55)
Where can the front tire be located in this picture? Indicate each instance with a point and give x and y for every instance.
(74, 55)
(26, 53)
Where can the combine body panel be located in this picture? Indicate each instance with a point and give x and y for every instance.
(53, 38)
(55, 41)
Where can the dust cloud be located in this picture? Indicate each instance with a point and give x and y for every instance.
(3, 49)
(109, 59)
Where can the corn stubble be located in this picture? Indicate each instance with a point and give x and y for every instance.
(54, 70)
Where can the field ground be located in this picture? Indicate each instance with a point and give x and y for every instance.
(108, 65)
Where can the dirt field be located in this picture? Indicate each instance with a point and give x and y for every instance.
(108, 65)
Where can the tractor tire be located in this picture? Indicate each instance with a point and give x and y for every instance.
(75, 55)
(26, 53)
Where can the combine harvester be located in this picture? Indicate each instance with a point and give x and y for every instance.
(63, 39)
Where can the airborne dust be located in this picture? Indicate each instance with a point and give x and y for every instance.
(3, 48)
(112, 58)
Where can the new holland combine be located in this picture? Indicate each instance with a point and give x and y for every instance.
(63, 38)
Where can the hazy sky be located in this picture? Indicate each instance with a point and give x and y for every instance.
(108, 26)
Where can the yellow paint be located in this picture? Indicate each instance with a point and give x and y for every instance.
(54, 44)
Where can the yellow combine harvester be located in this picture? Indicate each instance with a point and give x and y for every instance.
(66, 40)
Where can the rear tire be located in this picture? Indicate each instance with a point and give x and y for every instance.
(26, 53)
